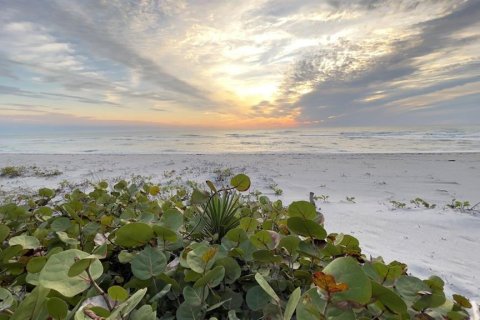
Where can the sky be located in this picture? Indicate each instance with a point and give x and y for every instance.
(240, 64)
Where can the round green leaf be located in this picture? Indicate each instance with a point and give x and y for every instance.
(290, 243)
(240, 182)
(27, 242)
(150, 262)
(248, 224)
(54, 274)
(154, 190)
(145, 312)
(57, 308)
(194, 297)
(303, 209)
(44, 211)
(165, 234)
(408, 287)
(6, 299)
(171, 219)
(133, 235)
(47, 193)
(347, 270)
(257, 298)
(266, 256)
(265, 239)
(212, 278)
(36, 264)
(232, 269)
(79, 266)
(4, 232)
(201, 258)
(389, 299)
(306, 228)
(187, 312)
(61, 224)
(118, 293)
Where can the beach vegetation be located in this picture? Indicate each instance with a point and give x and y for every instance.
(222, 174)
(141, 251)
(464, 206)
(12, 171)
(459, 205)
(34, 171)
(276, 189)
(421, 203)
(398, 204)
(322, 197)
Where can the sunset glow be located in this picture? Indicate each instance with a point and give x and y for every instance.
(235, 64)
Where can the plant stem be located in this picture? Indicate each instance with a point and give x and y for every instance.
(100, 290)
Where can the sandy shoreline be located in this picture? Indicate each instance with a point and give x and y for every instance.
(431, 241)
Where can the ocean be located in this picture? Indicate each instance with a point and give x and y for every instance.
(319, 140)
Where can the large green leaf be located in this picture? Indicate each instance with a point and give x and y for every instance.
(133, 235)
(408, 287)
(290, 243)
(57, 308)
(6, 299)
(150, 262)
(310, 306)
(240, 182)
(202, 258)
(26, 241)
(265, 239)
(117, 293)
(347, 270)
(195, 297)
(257, 298)
(188, 312)
(334, 313)
(389, 299)
(4, 232)
(302, 209)
(54, 274)
(232, 269)
(171, 219)
(306, 228)
(145, 312)
(212, 278)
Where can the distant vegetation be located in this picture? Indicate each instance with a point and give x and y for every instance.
(19, 171)
(143, 251)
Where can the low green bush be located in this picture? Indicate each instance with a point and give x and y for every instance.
(141, 251)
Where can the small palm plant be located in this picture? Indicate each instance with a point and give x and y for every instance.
(220, 214)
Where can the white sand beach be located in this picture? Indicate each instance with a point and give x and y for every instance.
(437, 241)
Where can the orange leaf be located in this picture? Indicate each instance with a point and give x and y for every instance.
(327, 282)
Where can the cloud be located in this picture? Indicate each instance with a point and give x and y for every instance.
(334, 62)
(358, 81)
(88, 41)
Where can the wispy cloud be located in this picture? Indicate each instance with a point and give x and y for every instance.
(307, 62)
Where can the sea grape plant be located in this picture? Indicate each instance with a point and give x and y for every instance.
(144, 251)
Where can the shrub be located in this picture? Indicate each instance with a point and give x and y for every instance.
(12, 172)
(140, 251)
